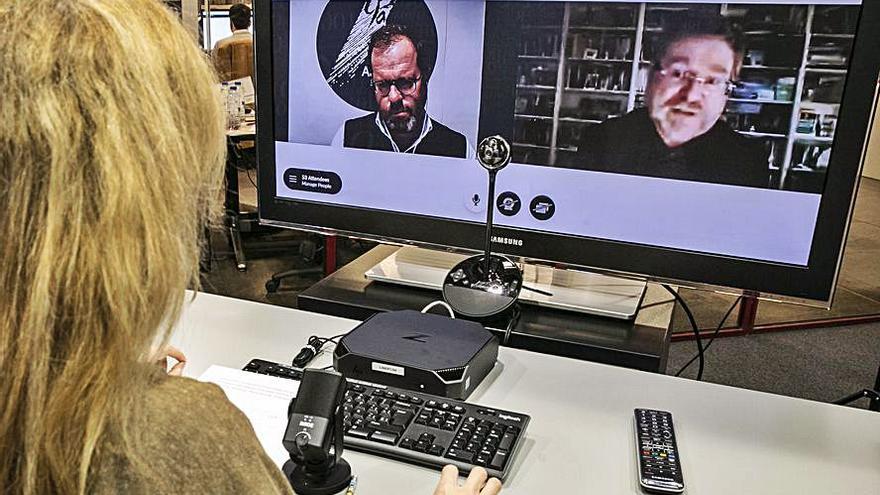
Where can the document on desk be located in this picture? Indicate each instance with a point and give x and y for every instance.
(263, 399)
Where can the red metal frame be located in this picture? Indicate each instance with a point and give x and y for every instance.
(746, 323)
(329, 255)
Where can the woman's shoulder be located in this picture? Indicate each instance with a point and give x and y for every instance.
(189, 437)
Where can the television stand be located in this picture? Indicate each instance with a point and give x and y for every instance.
(641, 343)
(545, 286)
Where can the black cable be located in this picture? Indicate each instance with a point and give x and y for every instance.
(251, 178)
(312, 348)
(714, 334)
(537, 291)
(658, 303)
(308, 352)
(514, 319)
(697, 338)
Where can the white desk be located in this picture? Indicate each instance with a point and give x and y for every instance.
(580, 440)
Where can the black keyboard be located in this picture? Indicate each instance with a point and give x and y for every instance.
(420, 428)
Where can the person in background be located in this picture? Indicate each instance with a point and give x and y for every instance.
(234, 56)
(111, 164)
(680, 134)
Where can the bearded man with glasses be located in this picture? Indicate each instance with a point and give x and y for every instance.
(400, 85)
(679, 133)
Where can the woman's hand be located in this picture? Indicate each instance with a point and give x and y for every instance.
(476, 483)
(160, 358)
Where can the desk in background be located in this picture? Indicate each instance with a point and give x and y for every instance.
(581, 438)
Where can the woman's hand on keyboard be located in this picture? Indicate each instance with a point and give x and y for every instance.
(476, 483)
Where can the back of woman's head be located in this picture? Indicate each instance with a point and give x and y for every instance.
(111, 147)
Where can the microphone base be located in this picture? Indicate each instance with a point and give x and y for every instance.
(473, 292)
(334, 481)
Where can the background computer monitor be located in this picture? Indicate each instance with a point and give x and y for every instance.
(544, 74)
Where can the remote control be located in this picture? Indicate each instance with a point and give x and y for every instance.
(659, 466)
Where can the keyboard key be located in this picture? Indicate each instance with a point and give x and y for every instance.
(407, 443)
(460, 455)
(384, 437)
(401, 417)
(358, 432)
(378, 425)
(436, 450)
(491, 442)
(507, 441)
(499, 460)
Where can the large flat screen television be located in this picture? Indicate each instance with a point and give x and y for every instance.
(714, 143)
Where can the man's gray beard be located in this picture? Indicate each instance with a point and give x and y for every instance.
(407, 125)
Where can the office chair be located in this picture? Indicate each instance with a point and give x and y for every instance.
(311, 252)
(873, 395)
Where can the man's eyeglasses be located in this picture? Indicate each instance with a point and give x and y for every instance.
(406, 85)
(709, 84)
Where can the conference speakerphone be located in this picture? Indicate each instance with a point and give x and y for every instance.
(420, 428)
(425, 352)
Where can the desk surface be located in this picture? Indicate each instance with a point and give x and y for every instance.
(580, 440)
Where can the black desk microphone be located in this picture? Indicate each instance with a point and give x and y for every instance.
(314, 435)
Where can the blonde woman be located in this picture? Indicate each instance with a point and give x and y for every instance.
(111, 152)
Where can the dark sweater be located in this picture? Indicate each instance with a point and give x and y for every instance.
(363, 133)
(631, 145)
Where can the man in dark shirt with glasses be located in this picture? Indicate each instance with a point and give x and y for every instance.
(679, 133)
(400, 84)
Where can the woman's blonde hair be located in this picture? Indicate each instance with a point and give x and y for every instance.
(111, 152)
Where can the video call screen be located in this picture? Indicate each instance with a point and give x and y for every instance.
(704, 127)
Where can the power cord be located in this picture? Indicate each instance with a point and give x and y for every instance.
(514, 319)
(439, 303)
(714, 334)
(696, 330)
(312, 348)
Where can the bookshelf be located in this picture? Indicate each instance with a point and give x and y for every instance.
(582, 63)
